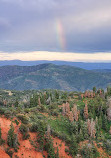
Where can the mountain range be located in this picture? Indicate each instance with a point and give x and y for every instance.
(50, 76)
(83, 65)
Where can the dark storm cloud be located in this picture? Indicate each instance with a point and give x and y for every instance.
(32, 25)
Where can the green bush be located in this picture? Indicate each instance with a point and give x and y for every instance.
(107, 146)
(89, 151)
(1, 140)
(8, 113)
(23, 118)
(9, 152)
(2, 111)
(24, 130)
(34, 127)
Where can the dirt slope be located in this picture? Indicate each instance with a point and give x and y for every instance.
(26, 150)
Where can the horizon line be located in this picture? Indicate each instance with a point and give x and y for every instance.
(56, 56)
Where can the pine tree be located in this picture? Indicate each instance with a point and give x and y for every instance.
(91, 128)
(104, 123)
(81, 138)
(73, 147)
(63, 109)
(50, 148)
(109, 110)
(84, 130)
(67, 108)
(39, 102)
(86, 111)
(31, 102)
(56, 94)
(12, 139)
(94, 89)
(75, 112)
(110, 130)
(1, 140)
(16, 103)
(71, 118)
(48, 131)
(57, 153)
(100, 122)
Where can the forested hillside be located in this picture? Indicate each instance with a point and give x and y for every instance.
(55, 124)
(49, 76)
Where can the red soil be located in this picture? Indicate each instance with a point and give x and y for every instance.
(61, 147)
(5, 126)
(3, 154)
(26, 150)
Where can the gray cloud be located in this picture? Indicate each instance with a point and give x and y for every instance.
(32, 25)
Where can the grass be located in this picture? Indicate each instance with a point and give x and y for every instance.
(59, 125)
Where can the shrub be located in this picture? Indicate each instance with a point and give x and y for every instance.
(34, 127)
(66, 150)
(23, 118)
(7, 113)
(1, 140)
(24, 130)
(89, 151)
(9, 152)
(107, 146)
(2, 111)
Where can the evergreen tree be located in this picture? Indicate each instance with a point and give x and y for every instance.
(86, 111)
(81, 138)
(31, 102)
(85, 130)
(50, 149)
(12, 140)
(1, 140)
(73, 146)
(94, 89)
(104, 123)
(16, 103)
(57, 153)
(100, 122)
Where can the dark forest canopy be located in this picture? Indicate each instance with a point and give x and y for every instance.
(49, 76)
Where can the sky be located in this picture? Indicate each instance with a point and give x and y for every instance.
(71, 30)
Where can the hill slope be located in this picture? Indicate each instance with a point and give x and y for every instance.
(52, 77)
(83, 65)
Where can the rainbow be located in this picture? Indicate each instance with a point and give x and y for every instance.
(60, 35)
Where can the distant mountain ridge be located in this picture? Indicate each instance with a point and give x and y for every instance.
(50, 76)
(83, 65)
